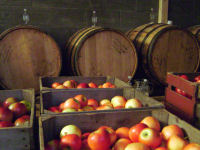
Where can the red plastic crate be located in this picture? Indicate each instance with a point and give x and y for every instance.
(185, 107)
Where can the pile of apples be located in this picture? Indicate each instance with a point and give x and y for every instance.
(69, 84)
(14, 113)
(146, 135)
(183, 93)
(81, 103)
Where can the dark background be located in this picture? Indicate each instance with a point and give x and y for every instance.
(62, 18)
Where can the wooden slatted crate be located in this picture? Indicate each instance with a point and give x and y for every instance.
(186, 107)
(56, 97)
(50, 126)
(21, 137)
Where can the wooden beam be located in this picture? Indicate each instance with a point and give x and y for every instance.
(163, 11)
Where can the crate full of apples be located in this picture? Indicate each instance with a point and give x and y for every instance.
(183, 94)
(85, 100)
(16, 119)
(80, 82)
(155, 129)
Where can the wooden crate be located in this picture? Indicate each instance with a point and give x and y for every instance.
(188, 108)
(50, 126)
(45, 82)
(22, 137)
(56, 97)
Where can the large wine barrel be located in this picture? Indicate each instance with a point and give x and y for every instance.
(98, 51)
(26, 53)
(164, 48)
(196, 31)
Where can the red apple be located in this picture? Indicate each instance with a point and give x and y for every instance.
(8, 101)
(197, 78)
(136, 146)
(74, 83)
(22, 120)
(93, 103)
(60, 87)
(85, 145)
(133, 103)
(113, 135)
(55, 84)
(135, 130)
(122, 132)
(61, 106)
(18, 109)
(99, 140)
(82, 85)
(54, 109)
(151, 122)
(70, 129)
(192, 146)
(72, 103)
(5, 114)
(121, 144)
(150, 137)
(71, 141)
(170, 130)
(6, 124)
(82, 99)
(92, 85)
(118, 101)
(184, 77)
(53, 145)
(27, 104)
(161, 148)
(176, 143)
(85, 135)
(104, 107)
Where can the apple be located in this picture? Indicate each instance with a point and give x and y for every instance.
(88, 108)
(100, 86)
(85, 135)
(85, 145)
(122, 132)
(55, 84)
(93, 103)
(82, 85)
(133, 103)
(184, 77)
(118, 101)
(113, 135)
(27, 104)
(74, 83)
(151, 122)
(161, 148)
(136, 146)
(5, 114)
(22, 120)
(68, 110)
(70, 129)
(192, 146)
(72, 103)
(61, 106)
(121, 144)
(92, 85)
(53, 145)
(107, 85)
(60, 87)
(8, 101)
(105, 102)
(176, 143)
(99, 140)
(19, 109)
(82, 99)
(150, 137)
(4, 124)
(104, 107)
(135, 130)
(54, 109)
(197, 78)
(170, 130)
(68, 84)
(71, 141)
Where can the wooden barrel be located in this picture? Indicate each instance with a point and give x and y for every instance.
(98, 51)
(26, 53)
(195, 31)
(164, 48)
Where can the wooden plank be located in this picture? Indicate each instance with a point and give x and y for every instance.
(163, 11)
(24, 3)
